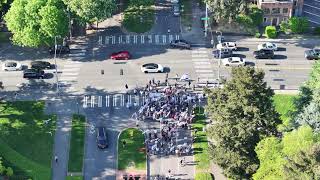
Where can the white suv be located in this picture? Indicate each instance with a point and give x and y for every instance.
(227, 45)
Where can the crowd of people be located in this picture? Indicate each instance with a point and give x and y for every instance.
(172, 106)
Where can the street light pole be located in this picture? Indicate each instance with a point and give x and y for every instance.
(206, 22)
(219, 64)
(55, 62)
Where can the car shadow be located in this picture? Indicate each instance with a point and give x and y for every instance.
(52, 66)
(239, 55)
(279, 56)
(250, 64)
(281, 49)
(242, 49)
(23, 67)
(166, 69)
(48, 76)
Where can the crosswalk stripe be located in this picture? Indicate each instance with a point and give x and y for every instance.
(113, 38)
(199, 55)
(204, 71)
(67, 78)
(156, 39)
(202, 67)
(170, 37)
(70, 69)
(201, 62)
(177, 37)
(127, 39)
(206, 75)
(120, 39)
(70, 74)
(100, 40)
(135, 37)
(150, 38)
(142, 39)
(107, 39)
(164, 39)
(199, 52)
(77, 55)
(72, 65)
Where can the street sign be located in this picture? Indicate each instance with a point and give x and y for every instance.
(204, 18)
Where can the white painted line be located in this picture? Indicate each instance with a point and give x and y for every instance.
(150, 39)
(69, 74)
(156, 39)
(177, 37)
(164, 39)
(107, 100)
(120, 39)
(85, 102)
(113, 38)
(122, 100)
(206, 75)
(142, 39)
(201, 62)
(92, 101)
(72, 65)
(202, 67)
(128, 39)
(77, 55)
(99, 101)
(199, 55)
(114, 101)
(204, 71)
(170, 37)
(135, 39)
(107, 40)
(199, 52)
(67, 78)
(70, 69)
(129, 99)
(100, 40)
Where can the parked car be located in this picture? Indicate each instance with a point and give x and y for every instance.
(176, 9)
(40, 65)
(227, 45)
(182, 44)
(11, 66)
(102, 138)
(121, 55)
(312, 54)
(234, 61)
(268, 46)
(60, 49)
(263, 54)
(152, 68)
(33, 74)
(224, 53)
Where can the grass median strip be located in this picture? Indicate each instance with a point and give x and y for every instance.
(26, 138)
(201, 142)
(74, 178)
(77, 143)
(131, 154)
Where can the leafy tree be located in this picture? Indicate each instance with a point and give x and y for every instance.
(310, 116)
(281, 159)
(2, 168)
(243, 113)
(92, 10)
(36, 22)
(141, 2)
(9, 172)
(271, 32)
(284, 26)
(299, 24)
(256, 15)
(227, 9)
(314, 79)
(245, 20)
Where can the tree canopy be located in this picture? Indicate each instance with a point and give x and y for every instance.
(243, 114)
(36, 22)
(295, 156)
(227, 9)
(91, 10)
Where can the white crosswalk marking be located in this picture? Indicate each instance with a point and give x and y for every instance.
(150, 39)
(156, 37)
(127, 39)
(99, 101)
(85, 101)
(135, 39)
(206, 75)
(92, 102)
(199, 55)
(197, 63)
(107, 100)
(100, 40)
(142, 39)
(122, 100)
(120, 39)
(113, 38)
(170, 37)
(204, 71)
(200, 60)
(201, 67)
(177, 37)
(107, 40)
(164, 39)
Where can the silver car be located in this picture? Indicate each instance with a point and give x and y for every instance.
(176, 9)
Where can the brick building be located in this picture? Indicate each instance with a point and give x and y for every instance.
(276, 11)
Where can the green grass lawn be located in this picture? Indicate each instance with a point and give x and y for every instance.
(74, 178)
(77, 143)
(26, 141)
(201, 143)
(186, 13)
(203, 176)
(133, 153)
(138, 19)
(284, 105)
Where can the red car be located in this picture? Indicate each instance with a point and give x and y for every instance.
(120, 55)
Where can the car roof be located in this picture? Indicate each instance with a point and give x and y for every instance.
(30, 70)
(149, 64)
(10, 63)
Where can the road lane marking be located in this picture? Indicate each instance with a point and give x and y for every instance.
(201, 62)
(204, 71)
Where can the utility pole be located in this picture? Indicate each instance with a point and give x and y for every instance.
(206, 22)
(55, 62)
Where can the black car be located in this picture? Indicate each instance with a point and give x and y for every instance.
(182, 44)
(263, 54)
(40, 65)
(312, 54)
(33, 73)
(102, 138)
(60, 49)
(225, 53)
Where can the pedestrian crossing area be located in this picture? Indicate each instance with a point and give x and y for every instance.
(69, 74)
(202, 66)
(159, 39)
(112, 100)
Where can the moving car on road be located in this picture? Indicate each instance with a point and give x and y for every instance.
(152, 68)
(33, 74)
(11, 66)
(263, 54)
(234, 61)
(40, 65)
(102, 138)
(176, 10)
(268, 46)
(182, 44)
(60, 49)
(225, 53)
(121, 55)
(227, 45)
(312, 54)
